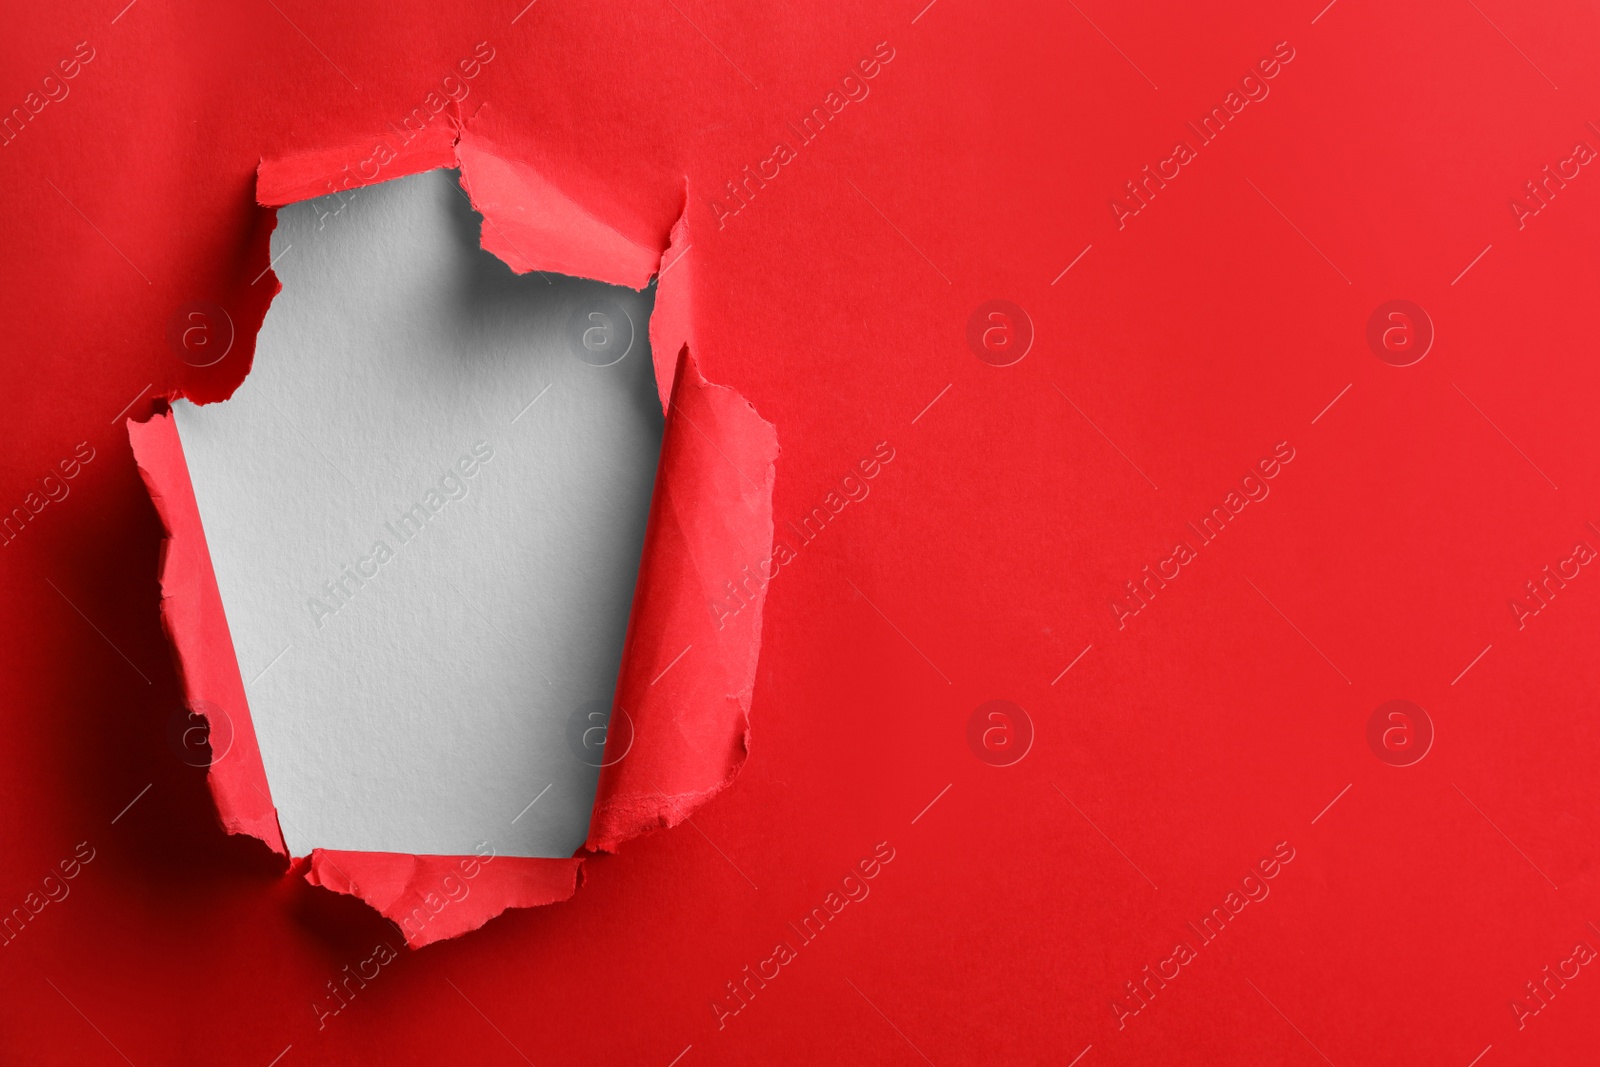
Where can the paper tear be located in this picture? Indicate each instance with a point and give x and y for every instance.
(712, 507)
(196, 627)
(672, 319)
(711, 512)
(434, 898)
(532, 225)
(343, 169)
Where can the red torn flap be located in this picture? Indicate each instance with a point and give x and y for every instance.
(336, 170)
(431, 898)
(688, 666)
(192, 615)
(672, 319)
(532, 224)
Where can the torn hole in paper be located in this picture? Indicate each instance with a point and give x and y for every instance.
(458, 713)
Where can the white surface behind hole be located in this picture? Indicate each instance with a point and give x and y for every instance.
(434, 705)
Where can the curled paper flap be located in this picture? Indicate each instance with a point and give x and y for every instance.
(432, 898)
(671, 322)
(192, 615)
(335, 171)
(689, 664)
(531, 224)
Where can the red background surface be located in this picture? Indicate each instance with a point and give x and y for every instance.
(1206, 331)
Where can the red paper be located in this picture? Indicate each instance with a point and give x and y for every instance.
(1180, 326)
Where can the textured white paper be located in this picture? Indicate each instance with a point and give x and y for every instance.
(418, 703)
